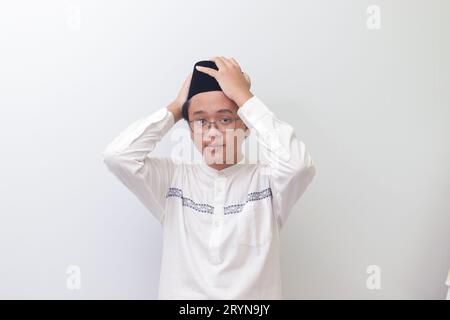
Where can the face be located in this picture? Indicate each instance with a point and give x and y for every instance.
(219, 143)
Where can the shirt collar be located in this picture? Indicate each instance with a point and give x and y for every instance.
(224, 172)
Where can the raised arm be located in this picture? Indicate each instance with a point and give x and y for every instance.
(127, 157)
(291, 168)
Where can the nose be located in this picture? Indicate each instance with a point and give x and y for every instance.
(212, 131)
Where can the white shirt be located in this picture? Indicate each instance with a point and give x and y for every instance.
(221, 228)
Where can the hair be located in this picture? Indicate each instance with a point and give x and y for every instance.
(185, 109)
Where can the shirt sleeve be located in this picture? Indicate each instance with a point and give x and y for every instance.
(126, 156)
(289, 163)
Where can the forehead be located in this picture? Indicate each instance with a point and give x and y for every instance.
(210, 103)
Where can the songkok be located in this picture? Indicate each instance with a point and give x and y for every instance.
(202, 82)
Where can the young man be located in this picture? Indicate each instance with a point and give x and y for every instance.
(221, 218)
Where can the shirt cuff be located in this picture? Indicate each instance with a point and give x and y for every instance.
(163, 118)
(253, 110)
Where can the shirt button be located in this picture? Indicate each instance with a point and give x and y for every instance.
(220, 185)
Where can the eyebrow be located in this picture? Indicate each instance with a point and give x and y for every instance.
(218, 111)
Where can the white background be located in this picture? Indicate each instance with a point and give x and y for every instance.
(373, 106)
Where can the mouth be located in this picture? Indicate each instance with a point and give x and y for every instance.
(214, 146)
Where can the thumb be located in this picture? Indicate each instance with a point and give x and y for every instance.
(206, 70)
(247, 78)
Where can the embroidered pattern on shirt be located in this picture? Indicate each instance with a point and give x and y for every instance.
(202, 207)
(253, 196)
(206, 208)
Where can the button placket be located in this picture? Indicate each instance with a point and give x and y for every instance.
(219, 214)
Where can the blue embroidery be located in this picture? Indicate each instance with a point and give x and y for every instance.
(206, 208)
(254, 196)
(175, 192)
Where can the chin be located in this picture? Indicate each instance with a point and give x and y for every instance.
(213, 156)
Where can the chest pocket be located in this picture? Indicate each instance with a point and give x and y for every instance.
(255, 226)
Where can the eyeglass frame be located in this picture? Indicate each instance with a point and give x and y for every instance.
(209, 122)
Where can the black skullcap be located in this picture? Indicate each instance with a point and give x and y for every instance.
(202, 82)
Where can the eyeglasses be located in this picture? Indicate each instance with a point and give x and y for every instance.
(200, 126)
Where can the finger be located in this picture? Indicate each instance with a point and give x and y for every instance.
(220, 64)
(235, 63)
(247, 77)
(226, 61)
(189, 78)
(209, 71)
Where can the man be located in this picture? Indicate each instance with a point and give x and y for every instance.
(221, 218)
